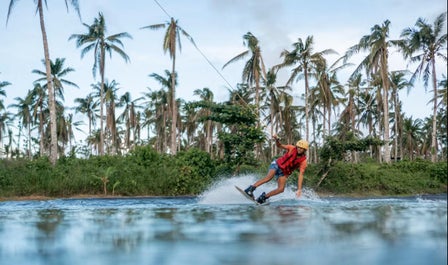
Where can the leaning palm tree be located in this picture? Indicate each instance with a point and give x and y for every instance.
(172, 37)
(51, 99)
(95, 39)
(303, 58)
(376, 62)
(423, 44)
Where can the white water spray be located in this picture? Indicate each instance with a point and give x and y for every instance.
(224, 192)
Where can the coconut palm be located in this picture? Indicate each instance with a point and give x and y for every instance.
(206, 95)
(329, 88)
(87, 106)
(303, 59)
(192, 126)
(129, 116)
(40, 114)
(254, 70)
(95, 39)
(412, 135)
(23, 107)
(110, 99)
(157, 114)
(398, 82)
(51, 99)
(424, 43)
(171, 38)
(271, 96)
(2, 85)
(377, 45)
(5, 117)
(165, 82)
(58, 72)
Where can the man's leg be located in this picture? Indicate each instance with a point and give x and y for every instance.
(268, 178)
(280, 187)
(281, 181)
(250, 190)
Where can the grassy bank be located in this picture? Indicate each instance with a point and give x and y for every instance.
(146, 173)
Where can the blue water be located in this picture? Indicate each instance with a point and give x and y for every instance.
(222, 227)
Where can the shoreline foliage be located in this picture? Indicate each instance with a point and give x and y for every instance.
(144, 172)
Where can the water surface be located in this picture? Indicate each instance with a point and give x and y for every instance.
(222, 227)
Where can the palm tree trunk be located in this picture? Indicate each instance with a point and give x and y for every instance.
(307, 130)
(51, 100)
(434, 114)
(41, 130)
(174, 108)
(384, 76)
(102, 65)
(396, 124)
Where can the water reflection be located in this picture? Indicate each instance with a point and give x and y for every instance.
(159, 231)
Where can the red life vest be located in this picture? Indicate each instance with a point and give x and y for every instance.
(290, 161)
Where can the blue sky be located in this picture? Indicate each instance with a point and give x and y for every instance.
(217, 26)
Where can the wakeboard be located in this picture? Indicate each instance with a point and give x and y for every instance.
(248, 197)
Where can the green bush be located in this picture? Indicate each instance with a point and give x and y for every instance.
(439, 171)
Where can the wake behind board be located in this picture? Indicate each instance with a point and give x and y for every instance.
(248, 197)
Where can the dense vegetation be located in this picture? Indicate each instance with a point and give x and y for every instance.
(144, 172)
(166, 146)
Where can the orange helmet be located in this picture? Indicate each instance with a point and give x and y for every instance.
(302, 144)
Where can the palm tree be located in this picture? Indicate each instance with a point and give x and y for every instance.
(129, 116)
(206, 95)
(51, 99)
(165, 82)
(272, 96)
(57, 73)
(110, 99)
(5, 123)
(412, 135)
(87, 106)
(95, 39)
(171, 38)
(23, 107)
(303, 59)
(428, 41)
(40, 113)
(254, 70)
(157, 113)
(4, 116)
(398, 82)
(2, 85)
(377, 45)
(70, 126)
(328, 88)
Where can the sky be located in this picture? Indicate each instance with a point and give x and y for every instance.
(217, 27)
